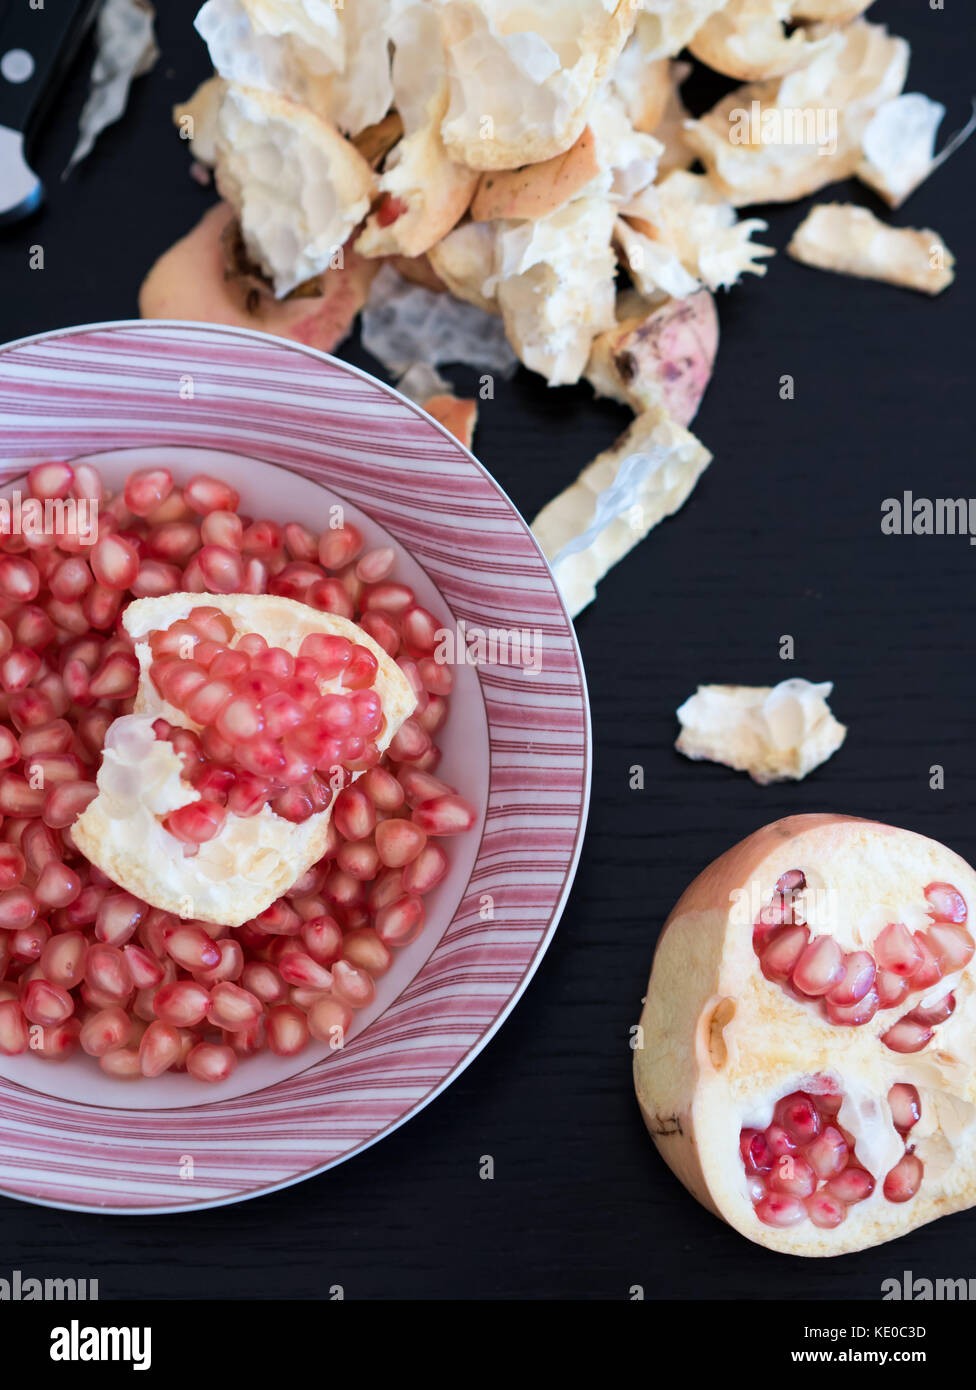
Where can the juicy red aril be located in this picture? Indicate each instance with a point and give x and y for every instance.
(952, 946)
(799, 1117)
(948, 904)
(906, 1108)
(211, 1062)
(904, 1180)
(287, 1030)
(854, 1015)
(14, 1031)
(19, 578)
(192, 948)
(205, 494)
(339, 547)
(933, 1014)
(46, 1004)
(856, 981)
(779, 1210)
(852, 1185)
(825, 1211)
(104, 1031)
(196, 823)
(444, 815)
(50, 480)
(820, 966)
(147, 489)
(907, 1035)
(895, 949)
(828, 1153)
(159, 1048)
(114, 562)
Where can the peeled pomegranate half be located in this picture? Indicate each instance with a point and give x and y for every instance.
(805, 1059)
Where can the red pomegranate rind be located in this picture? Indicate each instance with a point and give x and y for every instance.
(87, 965)
(722, 1047)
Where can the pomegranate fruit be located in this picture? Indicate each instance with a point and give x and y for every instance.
(804, 1060)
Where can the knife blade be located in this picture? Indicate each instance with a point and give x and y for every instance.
(36, 47)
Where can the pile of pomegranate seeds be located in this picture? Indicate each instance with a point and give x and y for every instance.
(267, 733)
(84, 963)
(851, 987)
(803, 1165)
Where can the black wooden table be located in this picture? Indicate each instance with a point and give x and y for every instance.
(782, 535)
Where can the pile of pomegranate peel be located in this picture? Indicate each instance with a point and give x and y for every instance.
(294, 825)
(806, 1057)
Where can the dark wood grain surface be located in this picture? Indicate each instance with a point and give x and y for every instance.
(781, 536)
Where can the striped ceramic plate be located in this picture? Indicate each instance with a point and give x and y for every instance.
(299, 433)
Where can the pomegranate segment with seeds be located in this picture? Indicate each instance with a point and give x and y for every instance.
(321, 722)
(807, 1049)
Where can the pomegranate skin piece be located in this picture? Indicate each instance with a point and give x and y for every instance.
(732, 1060)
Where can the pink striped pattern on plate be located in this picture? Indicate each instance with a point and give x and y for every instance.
(148, 384)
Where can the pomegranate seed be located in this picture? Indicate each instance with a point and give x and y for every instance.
(122, 1063)
(892, 989)
(18, 668)
(159, 1049)
(906, 1108)
(904, 1180)
(287, 1030)
(907, 1036)
(948, 904)
(20, 579)
(50, 480)
(174, 542)
(105, 1031)
(793, 1176)
(87, 482)
(58, 1042)
(14, 1033)
(854, 1015)
(799, 1117)
(229, 967)
(363, 948)
(820, 966)
(896, 950)
(9, 748)
(852, 1185)
(204, 494)
(156, 579)
(401, 922)
(114, 562)
(932, 1014)
(856, 981)
(55, 737)
(298, 968)
(264, 982)
(328, 596)
(107, 970)
(62, 960)
(66, 802)
(233, 1008)
(17, 909)
(329, 1020)
(57, 885)
(825, 1211)
(930, 971)
(12, 866)
(322, 939)
(147, 489)
(446, 815)
(191, 947)
(210, 1062)
(101, 605)
(145, 968)
(779, 1210)
(196, 823)
(828, 1153)
(338, 548)
(426, 871)
(222, 569)
(46, 1004)
(952, 946)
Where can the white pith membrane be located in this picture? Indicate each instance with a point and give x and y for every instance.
(253, 860)
(721, 1044)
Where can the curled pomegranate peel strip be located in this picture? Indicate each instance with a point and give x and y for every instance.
(811, 1126)
(246, 863)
